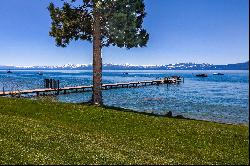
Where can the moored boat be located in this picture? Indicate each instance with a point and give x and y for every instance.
(218, 74)
(9, 71)
(40, 73)
(201, 75)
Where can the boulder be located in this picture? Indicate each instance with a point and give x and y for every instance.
(169, 114)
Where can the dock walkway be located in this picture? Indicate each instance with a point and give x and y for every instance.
(75, 89)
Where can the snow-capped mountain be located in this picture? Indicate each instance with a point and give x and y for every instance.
(110, 66)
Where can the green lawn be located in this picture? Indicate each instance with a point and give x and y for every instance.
(43, 132)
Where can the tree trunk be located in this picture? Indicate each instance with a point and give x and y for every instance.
(97, 61)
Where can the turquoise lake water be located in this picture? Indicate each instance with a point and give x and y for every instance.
(219, 98)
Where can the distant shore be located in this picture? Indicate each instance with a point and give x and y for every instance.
(178, 66)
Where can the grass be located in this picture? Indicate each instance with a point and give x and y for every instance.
(43, 132)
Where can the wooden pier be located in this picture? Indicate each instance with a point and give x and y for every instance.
(75, 89)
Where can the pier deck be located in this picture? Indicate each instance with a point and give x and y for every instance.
(75, 89)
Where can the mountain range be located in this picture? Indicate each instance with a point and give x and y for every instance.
(177, 66)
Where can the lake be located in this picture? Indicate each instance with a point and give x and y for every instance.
(218, 98)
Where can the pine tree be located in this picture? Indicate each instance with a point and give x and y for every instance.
(103, 23)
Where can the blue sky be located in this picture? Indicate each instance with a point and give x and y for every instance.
(209, 31)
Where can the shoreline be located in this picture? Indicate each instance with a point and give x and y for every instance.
(168, 114)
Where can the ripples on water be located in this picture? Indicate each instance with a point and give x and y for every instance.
(215, 98)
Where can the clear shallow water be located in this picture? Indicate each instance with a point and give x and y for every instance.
(214, 98)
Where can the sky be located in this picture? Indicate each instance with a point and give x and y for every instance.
(198, 31)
